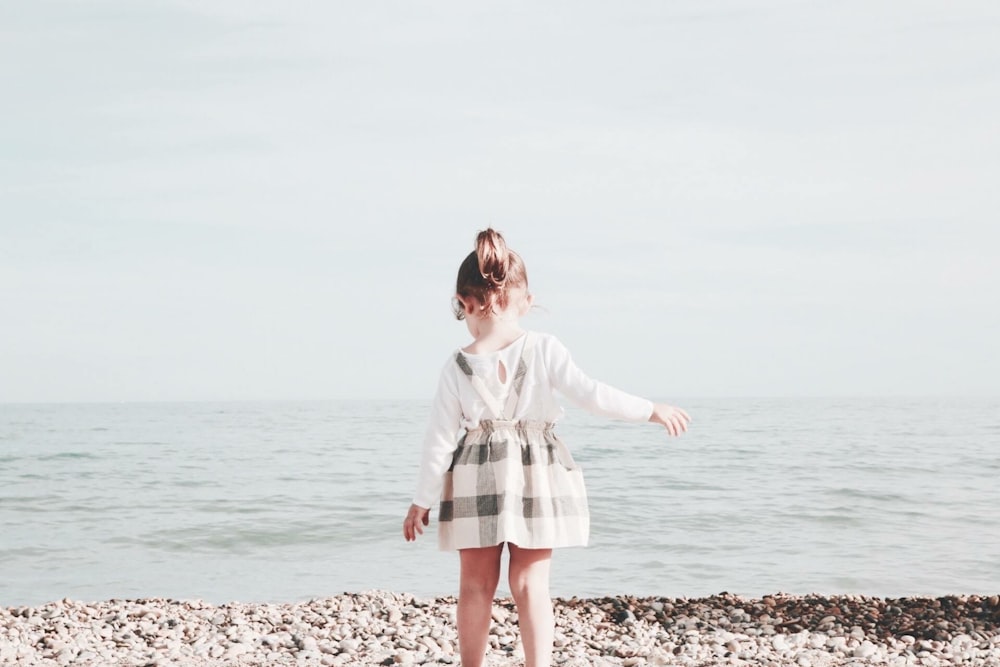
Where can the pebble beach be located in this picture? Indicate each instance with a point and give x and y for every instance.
(382, 628)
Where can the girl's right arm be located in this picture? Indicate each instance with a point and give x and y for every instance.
(440, 441)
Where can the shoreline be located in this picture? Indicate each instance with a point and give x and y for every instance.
(385, 628)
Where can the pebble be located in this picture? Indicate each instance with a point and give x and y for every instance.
(383, 628)
(865, 650)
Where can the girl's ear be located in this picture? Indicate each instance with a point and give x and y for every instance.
(467, 304)
(529, 301)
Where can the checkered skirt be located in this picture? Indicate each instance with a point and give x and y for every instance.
(512, 481)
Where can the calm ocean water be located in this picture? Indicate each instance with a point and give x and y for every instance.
(288, 501)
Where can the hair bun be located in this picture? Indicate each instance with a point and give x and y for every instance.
(487, 275)
(493, 256)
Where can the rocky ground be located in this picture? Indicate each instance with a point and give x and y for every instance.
(378, 628)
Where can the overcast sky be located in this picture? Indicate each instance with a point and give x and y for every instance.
(231, 200)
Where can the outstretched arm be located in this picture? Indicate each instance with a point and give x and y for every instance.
(585, 392)
(603, 399)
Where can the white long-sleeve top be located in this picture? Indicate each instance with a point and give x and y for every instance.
(457, 406)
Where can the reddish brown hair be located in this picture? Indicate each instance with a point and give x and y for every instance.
(488, 273)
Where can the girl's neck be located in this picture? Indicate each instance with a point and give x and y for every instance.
(492, 334)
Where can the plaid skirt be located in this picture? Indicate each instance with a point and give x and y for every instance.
(513, 481)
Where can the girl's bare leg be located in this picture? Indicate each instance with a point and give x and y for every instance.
(479, 577)
(529, 584)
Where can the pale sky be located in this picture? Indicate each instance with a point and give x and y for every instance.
(230, 200)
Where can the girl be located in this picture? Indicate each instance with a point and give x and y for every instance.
(493, 459)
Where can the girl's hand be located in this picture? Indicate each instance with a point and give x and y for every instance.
(673, 419)
(411, 524)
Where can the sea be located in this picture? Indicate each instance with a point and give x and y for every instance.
(289, 501)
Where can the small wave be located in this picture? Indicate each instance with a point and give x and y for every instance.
(843, 518)
(907, 512)
(140, 443)
(222, 508)
(28, 552)
(688, 549)
(68, 455)
(688, 485)
(195, 483)
(34, 504)
(231, 540)
(868, 495)
(603, 568)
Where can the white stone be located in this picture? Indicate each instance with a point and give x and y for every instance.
(837, 645)
(865, 650)
(236, 650)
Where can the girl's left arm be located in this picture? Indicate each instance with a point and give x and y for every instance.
(603, 399)
(440, 441)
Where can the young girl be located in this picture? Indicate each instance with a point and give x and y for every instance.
(492, 457)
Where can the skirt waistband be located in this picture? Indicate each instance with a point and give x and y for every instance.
(517, 424)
